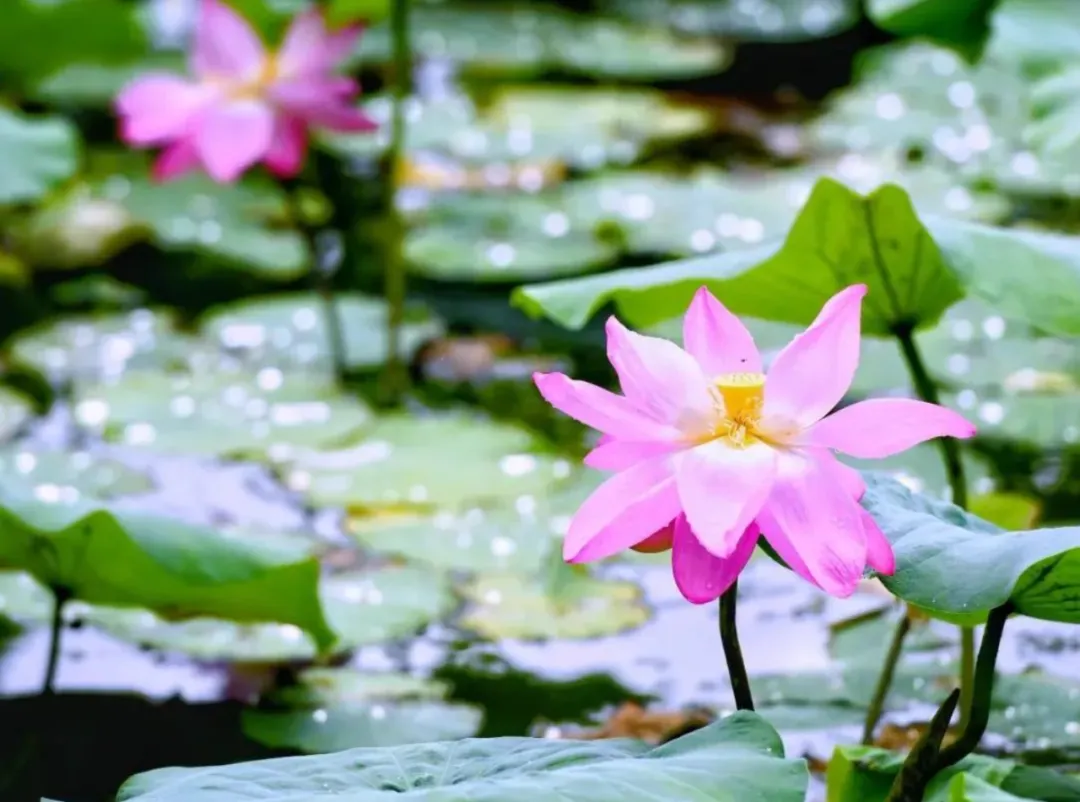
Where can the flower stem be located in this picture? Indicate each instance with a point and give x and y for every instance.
(61, 596)
(888, 670)
(322, 276)
(395, 378)
(926, 389)
(729, 637)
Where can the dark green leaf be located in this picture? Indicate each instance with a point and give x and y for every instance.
(132, 559)
(961, 22)
(839, 238)
(40, 36)
(865, 773)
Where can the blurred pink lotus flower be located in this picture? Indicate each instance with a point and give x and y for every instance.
(246, 104)
(709, 453)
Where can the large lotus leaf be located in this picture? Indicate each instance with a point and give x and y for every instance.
(329, 710)
(238, 225)
(362, 608)
(264, 413)
(986, 259)
(427, 463)
(291, 329)
(760, 21)
(865, 774)
(97, 346)
(573, 606)
(131, 559)
(839, 238)
(959, 567)
(740, 757)
(39, 153)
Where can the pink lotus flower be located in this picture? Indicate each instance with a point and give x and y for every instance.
(708, 453)
(245, 105)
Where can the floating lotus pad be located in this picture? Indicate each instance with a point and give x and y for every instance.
(473, 540)
(291, 330)
(527, 39)
(426, 463)
(39, 153)
(15, 412)
(334, 709)
(474, 253)
(96, 346)
(233, 223)
(268, 413)
(55, 475)
(525, 127)
(760, 21)
(925, 96)
(511, 606)
(362, 608)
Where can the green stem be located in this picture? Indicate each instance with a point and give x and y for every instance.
(729, 637)
(885, 679)
(395, 376)
(954, 470)
(322, 278)
(982, 690)
(921, 764)
(61, 596)
(928, 757)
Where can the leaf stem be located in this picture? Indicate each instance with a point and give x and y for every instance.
(395, 378)
(61, 596)
(926, 389)
(885, 678)
(321, 276)
(729, 637)
(922, 761)
(982, 690)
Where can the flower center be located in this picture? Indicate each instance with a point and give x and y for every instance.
(255, 86)
(740, 397)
